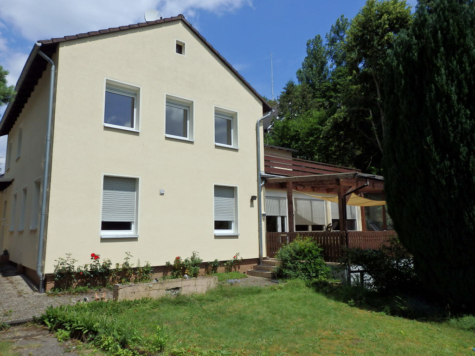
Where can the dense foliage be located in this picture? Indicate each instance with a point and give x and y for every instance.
(334, 113)
(430, 145)
(95, 322)
(390, 268)
(6, 92)
(302, 259)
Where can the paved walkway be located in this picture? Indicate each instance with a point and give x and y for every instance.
(19, 298)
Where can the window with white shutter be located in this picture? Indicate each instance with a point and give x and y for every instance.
(225, 210)
(119, 206)
(276, 214)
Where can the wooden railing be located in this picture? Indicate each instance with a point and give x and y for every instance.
(299, 167)
(331, 241)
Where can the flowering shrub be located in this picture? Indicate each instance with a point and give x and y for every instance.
(189, 266)
(233, 264)
(98, 273)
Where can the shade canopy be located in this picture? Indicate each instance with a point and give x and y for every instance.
(354, 199)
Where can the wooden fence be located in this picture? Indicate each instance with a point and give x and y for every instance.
(331, 241)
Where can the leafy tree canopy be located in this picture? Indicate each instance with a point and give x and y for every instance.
(6, 92)
(340, 84)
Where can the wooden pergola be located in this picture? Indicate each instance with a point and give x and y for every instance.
(341, 184)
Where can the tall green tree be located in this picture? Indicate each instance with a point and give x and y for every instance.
(370, 36)
(6, 92)
(340, 82)
(429, 152)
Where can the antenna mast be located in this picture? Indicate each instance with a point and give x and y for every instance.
(272, 76)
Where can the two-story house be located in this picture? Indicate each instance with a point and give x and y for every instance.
(152, 150)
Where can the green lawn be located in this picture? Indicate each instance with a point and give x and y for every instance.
(288, 320)
(6, 349)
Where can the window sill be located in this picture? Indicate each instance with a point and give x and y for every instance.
(179, 138)
(226, 146)
(121, 128)
(119, 236)
(33, 228)
(223, 234)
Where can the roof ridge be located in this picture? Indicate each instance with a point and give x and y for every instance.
(111, 29)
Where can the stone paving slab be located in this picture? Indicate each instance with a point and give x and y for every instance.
(34, 340)
(19, 299)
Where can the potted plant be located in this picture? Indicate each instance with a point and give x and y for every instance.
(5, 257)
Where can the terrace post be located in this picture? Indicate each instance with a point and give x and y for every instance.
(290, 206)
(342, 210)
(385, 223)
(363, 216)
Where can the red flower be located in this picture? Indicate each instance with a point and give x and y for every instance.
(80, 273)
(93, 255)
(96, 257)
(234, 256)
(177, 258)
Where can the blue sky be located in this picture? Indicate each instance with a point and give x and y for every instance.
(245, 32)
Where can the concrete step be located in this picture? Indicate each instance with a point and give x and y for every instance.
(264, 274)
(270, 262)
(263, 268)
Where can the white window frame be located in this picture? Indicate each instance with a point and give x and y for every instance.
(121, 234)
(234, 231)
(130, 90)
(24, 197)
(227, 114)
(183, 46)
(35, 205)
(19, 143)
(181, 103)
(9, 156)
(13, 213)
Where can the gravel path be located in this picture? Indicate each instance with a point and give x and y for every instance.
(19, 299)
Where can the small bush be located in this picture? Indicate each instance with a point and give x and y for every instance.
(391, 267)
(303, 259)
(466, 322)
(212, 267)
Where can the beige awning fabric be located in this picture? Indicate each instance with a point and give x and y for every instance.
(353, 201)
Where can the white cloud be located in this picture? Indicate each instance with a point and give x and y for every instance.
(35, 20)
(240, 66)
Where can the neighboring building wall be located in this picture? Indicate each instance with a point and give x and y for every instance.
(182, 220)
(278, 153)
(27, 172)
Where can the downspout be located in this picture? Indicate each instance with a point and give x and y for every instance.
(44, 183)
(260, 183)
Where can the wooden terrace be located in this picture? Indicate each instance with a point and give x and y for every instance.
(296, 175)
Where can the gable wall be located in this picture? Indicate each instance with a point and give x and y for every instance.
(25, 170)
(181, 221)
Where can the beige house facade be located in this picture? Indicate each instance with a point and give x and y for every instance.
(153, 151)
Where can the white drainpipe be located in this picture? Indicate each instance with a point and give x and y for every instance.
(260, 183)
(44, 183)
